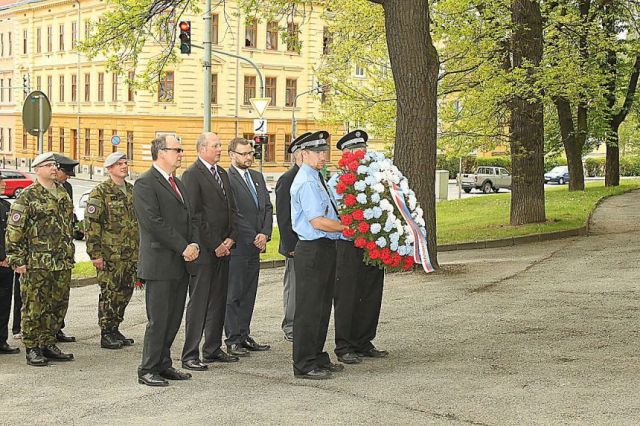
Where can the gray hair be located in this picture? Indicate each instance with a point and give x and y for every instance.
(201, 143)
(158, 144)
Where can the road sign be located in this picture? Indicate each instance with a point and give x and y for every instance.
(260, 104)
(36, 113)
(115, 140)
(260, 126)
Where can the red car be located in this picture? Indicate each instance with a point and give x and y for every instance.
(16, 182)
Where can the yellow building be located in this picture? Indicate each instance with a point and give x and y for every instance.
(90, 105)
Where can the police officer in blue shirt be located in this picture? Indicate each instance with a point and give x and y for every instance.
(358, 293)
(314, 218)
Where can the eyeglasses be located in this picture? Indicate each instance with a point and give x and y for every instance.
(56, 165)
(244, 154)
(178, 150)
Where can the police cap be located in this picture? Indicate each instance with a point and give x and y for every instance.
(315, 141)
(355, 139)
(295, 145)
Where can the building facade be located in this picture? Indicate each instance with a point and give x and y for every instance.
(91, 105)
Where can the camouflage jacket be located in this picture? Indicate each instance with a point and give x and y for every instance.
(111, 226)
(39, 229)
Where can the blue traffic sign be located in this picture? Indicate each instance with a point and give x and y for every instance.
(115, 140)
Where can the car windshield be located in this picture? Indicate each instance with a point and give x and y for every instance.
(558, 169)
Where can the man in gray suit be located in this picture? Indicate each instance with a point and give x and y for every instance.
(167, 247)
(214, 212)
(255, 220)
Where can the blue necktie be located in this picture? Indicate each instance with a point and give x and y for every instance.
(252, 188)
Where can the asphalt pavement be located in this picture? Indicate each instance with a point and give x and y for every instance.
(543, 333)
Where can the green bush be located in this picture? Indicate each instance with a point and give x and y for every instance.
(551, 162)
(630, 166)
(494, 161)
(594, 167)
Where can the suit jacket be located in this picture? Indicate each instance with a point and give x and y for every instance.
(166, 227)
(252, 220)
(4, 215)
(288, 238)
(214, 214)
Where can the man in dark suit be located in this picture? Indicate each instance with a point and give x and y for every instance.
(167, 247)
(7, 279)
(215, 215)
(255, 222)
(288, 238)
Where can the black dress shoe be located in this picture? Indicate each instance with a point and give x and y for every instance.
(254, 346)
(151, 379)
(6, 349)
(237, 350)
(315, 374)
(35, 357)
(53, 353)
(173, 374)
(126, 341)
(334, 368)
(220, 356)
(61, 337)
(110, 341)
(194, 364)
(372, 353)
(349, 358)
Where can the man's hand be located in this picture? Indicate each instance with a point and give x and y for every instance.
(292, 253)
(229, 243)
(191, 252)
(4, 263)
(98, 263)
(20, 269)
(260, 241)
(222, 250)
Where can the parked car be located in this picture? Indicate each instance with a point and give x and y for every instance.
(486, 179)
(16, 182)
(82, 205)
(559, 174)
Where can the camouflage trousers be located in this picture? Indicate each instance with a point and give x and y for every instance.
(45, 298)
(116, 287)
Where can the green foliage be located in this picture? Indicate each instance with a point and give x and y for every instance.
(552, 161)
(594, 166)
(630, 166)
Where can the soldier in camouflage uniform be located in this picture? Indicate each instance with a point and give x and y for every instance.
(39, 246)
(112, 244)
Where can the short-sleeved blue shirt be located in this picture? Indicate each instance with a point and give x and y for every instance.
(310, 200)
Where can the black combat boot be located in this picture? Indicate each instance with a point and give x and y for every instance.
(53, 353)
(109, 340)
(35, 357)
(125, 340)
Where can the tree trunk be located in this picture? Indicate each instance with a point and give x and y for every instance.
(527, 120)
(572, 142)
(612, 162)
(414, 62)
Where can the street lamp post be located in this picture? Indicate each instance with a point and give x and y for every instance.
(294, 123)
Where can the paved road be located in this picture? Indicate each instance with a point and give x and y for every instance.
(543, 333)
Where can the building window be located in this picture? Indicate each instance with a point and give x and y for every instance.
(10, 44)
(290, 92)
(114, 87)
(1, 44)
(359, 72)
(38, 83)
(49, 38)
(1, 89)
(270, 89)
(50, 140)
(269, 150)
(327, 39)
(61, 88)
(74, 143)
(287, 142)
(87, 87)
(74, 87)
(165, 87)
(24, 42)
(24, 139)
(87, 142)
(114, 147)
(74, 34)
(272, 35)
(87, 29)
(129, 145)
(293, 44)
(100, 142)
(100, 87)
(249, 88)
(61, 147)
(10, 139)
(130, 90)
(38, 40)
(251, 33)
(49, 86)
(61, 38)
(214, 88)
(214, 28)
(10, 89)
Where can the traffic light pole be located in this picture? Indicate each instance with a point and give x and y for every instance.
(207, 66)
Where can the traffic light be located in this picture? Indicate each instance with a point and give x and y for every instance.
(25, 84)
(258, 141)
(185, 36)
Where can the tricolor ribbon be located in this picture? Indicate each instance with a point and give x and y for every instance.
(420, 251)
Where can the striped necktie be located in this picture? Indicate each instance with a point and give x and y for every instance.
(216, 175)
(252, 188)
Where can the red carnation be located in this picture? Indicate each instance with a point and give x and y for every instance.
(353, 166)
(341, 187)
(385, 252)
(407, 263)
(357, 215)
(359, 155)
(342, 163)
(348, 232)
(386, 260)
(374, 254)
(363, 227)
(346, 219)
(348, 178)
(349, 200)
(396, 259)
(360, 242)
(371, 245)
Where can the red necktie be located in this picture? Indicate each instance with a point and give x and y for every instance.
(175, 187)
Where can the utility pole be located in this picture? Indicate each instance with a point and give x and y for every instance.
(207, 66)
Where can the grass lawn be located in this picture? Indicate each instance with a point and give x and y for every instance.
(486, 218)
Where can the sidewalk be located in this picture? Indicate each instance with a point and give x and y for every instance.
(539, 333)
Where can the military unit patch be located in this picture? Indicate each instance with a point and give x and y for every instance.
(91, 209)
(16, 217)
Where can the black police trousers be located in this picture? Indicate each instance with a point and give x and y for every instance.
(9, 289)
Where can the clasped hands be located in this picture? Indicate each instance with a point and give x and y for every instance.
(191, 252)
(224, 249)
(260, 242)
